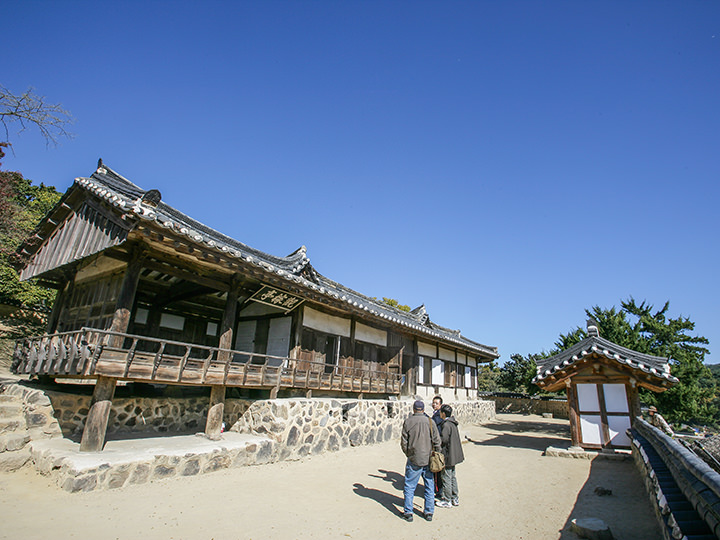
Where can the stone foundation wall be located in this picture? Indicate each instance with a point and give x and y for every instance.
(263, 431)
(311, 426)
(67, 412)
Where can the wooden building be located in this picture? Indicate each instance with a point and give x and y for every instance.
(602, 381)
(146, 293)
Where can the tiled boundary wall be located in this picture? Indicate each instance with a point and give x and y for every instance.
(697, 482)
(526, 405)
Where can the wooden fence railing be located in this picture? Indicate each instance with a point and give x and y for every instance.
(91, 352)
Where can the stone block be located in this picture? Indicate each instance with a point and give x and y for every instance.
(591, 528)
(73, 484)
(12, 442)
(117, 477)
(163, 471)
(140, 474)
(12, 461)
(191, 467)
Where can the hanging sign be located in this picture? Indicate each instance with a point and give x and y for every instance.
(276, 298)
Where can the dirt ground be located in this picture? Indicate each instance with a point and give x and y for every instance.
(508, 490)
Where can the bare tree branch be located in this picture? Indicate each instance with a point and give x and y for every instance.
(30, 109)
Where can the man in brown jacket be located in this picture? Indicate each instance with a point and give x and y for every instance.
(419, 437)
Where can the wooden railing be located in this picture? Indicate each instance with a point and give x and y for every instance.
(90, 352)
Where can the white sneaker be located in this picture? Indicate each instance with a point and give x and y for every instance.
(455, 502)
(443, 504)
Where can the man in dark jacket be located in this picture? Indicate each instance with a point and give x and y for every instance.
(419, 437)
(452, 449)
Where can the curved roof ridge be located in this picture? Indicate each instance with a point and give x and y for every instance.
(169, 217)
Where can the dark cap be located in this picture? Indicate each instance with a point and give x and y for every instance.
(419, 405)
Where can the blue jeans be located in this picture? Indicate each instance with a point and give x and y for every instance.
(412, 477)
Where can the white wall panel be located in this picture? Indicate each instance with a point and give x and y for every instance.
(368, 334)
(326, 323)
(427, 349)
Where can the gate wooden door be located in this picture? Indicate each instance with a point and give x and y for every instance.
(604, 415)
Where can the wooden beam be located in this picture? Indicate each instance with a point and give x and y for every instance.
(186, 275)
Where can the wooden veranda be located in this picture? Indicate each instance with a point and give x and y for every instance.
(92, 353)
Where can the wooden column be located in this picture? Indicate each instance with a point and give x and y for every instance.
(60, 324)
(93, 437)
(126, 297)
(633, 401)
(60, 299)
(213, 426)
(572, 398)
(228, 321)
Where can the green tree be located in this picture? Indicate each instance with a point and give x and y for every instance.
(516, 374)
(22, 206)
(488, 377)
(394, 303)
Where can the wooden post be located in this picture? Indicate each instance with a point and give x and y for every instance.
(65, 301)
(213, 427)
(228, 321)
(571, 391)
(126, 297)
(93, 437)
(60, 300)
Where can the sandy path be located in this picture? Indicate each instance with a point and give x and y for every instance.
(507, 490)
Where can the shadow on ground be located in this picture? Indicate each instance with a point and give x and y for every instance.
(546, 428)
(393, 503)
(626, 510)
(509, 440)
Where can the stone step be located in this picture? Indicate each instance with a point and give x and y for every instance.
(10, 409)
(12, 424)
(12, 461)
(12, 442)
(7, 398)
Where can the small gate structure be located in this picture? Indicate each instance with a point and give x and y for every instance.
(602, 380)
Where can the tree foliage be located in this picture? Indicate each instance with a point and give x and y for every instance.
(19, 112)
(488, 376)
(22, 206)
(516, 374)
(394, 303)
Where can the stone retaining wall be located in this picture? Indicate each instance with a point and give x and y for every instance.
(274, 430)
(66, 412)
(558, 408)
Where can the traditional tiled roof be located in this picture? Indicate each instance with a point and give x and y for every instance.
(123, 194)
(656, 366)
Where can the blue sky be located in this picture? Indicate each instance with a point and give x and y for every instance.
(508, 164)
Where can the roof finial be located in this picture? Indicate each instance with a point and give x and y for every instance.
(592, 328)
